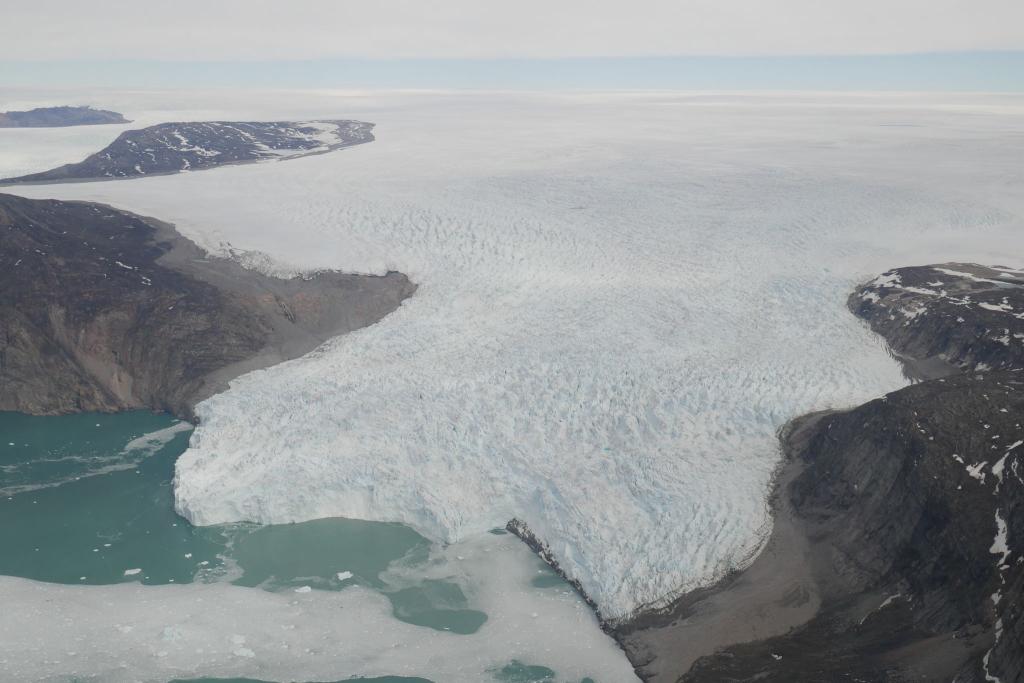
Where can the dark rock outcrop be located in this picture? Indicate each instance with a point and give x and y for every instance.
(910, 507)
(102, 310)
(54, 117)
(173, 147)
(906, 500)
(960, 314)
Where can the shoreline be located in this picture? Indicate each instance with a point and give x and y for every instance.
(13, 183)
(335, 295)
(774, 594)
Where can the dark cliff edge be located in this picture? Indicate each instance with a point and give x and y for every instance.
(520, 529)
(103, 310)
(899, 530)
(57, 117)
(193, 146)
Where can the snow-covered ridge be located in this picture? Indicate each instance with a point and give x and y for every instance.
(612, 319)
(192, 146)
(983, 301)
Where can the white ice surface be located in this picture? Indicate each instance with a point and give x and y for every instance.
(153, 441)
(621, 298)
(130, 632)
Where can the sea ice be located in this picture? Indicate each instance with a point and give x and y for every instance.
(152, 442)
(156, 633)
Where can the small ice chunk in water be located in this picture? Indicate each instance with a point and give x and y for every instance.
(344, 576)
(132, 572)
(303, 589)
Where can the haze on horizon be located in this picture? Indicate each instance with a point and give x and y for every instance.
(815, 44)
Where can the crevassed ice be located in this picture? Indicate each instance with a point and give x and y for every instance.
(621, 298)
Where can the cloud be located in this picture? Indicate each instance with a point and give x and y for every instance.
(210, 30)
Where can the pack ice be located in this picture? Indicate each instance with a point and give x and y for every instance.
(621, 299)
(157, 633)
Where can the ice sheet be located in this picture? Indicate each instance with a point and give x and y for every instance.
(621, 298)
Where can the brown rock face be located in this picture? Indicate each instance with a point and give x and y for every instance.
(103, 310)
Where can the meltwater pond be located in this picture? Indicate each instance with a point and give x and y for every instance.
(87, 500)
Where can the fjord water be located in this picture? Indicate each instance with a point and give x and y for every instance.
(383, 679)
(88, 499)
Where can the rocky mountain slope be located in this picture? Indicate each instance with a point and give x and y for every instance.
(104, 310)
(955, 314)
(53, 117)
(908, 511)
(174, 147)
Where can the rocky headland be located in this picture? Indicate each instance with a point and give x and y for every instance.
(896, 553)
(55, 117)
(103, 310)
(175, 147)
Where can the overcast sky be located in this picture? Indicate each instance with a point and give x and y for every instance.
(228, 30)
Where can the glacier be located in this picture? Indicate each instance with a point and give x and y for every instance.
(622, 296)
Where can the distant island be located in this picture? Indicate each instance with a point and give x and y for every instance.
(55, 117)
(193, 146)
